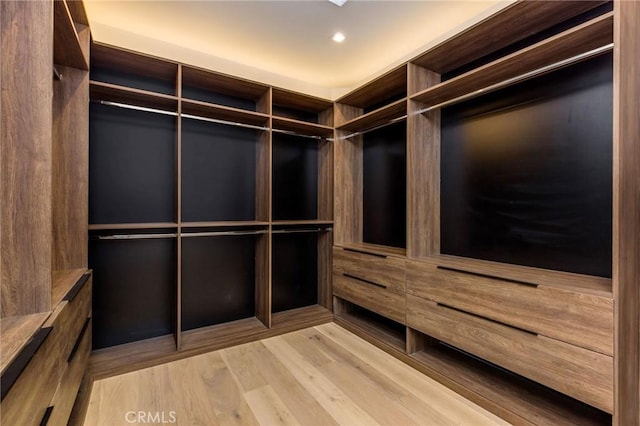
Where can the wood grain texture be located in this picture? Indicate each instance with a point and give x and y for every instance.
(375, 118)
(116, 58)
(302, 127)
(344, 113)
(391, 83)
(67, 49)
(382, 301)
(15, 333)
(374, 249)
(510, 25)
(325, 180)
(70, 169)
(223, 84)
(318, 376)
(63, 281)
(423, 171)
(78, 12)
(291, 99)
(348, 186)
(325, 262)
(389, 272)
(626, 212)
(595, 33)
(25, 157)
(581, 319)
(146, 353)
(583, 374)
(263, 279)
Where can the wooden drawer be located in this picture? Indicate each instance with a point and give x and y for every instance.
(65, 396)
(384, 270)
(583, 374)
(582, 319)
(375, 297)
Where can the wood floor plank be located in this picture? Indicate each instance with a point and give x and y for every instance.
(269, 408)
(458, 409)
(332, 399)
(314, 377)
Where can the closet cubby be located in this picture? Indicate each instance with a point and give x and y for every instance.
(303, 114)
(219, 278)
(134, 286)
(132, 163)
(219, 89)
(220, 172)
(127, 69)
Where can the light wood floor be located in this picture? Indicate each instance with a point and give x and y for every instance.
(323, 375)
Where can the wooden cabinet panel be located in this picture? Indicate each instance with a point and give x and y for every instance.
(386, 271)
(375, 297)
(581, 319)
(583, 374)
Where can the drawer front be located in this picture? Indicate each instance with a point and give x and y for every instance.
(373, 297)
(387, 271)
(581, 319)
(65, 396)
(583, 374)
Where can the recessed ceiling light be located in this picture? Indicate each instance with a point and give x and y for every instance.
(338, 37)
(338, 2)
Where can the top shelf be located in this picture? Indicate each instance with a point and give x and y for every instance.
(510, 25)
(595, 33)
(69, 37)
(390, 85)
(377, 117)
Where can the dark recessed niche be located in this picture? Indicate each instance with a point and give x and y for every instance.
(218, 171)
(384, 186)
(136, 81)
(131, 166)
(199, 94)
(134, 289)
(295, 178)
(294, 271)
(218, 279)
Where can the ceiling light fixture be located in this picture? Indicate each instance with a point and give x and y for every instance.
(338, 37)
(338, 2)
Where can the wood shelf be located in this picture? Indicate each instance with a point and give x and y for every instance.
(378, 90)
(301, 222)
(221, 83)
(509, 25)
(374, 249)
(115, 58)
(108, 92)
(15, 333)
(67, 47)
(595, 33)
(301, 127)
(62, 282)
(376, 118)
(290, 99)
(221, 112)
(598, 286)
(220, 224)
(114, 226)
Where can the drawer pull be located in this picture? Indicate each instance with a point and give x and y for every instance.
(77, 287)
(442, 305)
(364, 281)
(17, 366)
(78, 340)
(364, 252)
(47, 414)
(493, 277)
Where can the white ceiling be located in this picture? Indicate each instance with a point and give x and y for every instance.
(286, 43)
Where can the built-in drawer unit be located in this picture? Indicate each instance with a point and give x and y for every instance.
(51, 364)
(577, 317)
(583, 374)
(373, 281)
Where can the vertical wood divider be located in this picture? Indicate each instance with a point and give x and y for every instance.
(626, 213)
(326, 212)
(423, 168)
(348, 184)
(179, 210)
(263, 213)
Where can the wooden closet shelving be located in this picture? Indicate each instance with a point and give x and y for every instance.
(377, 117)
(220, 112)
(70, 38)
(108, 92)
(592, 34)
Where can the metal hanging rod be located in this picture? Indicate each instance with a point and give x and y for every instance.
(302, 135)
(521, 77)
(138, 108)
(380, 126)
(136, 236)
(222, 233)
(56, 73)
(296, 231)
(229, 123)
